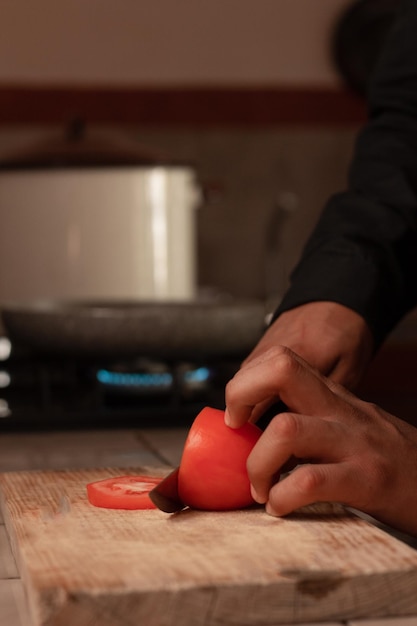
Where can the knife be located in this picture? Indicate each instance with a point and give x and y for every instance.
(165, 495)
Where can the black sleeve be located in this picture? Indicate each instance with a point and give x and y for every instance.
(363, 251)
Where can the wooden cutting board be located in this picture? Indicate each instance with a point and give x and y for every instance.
(84, 566)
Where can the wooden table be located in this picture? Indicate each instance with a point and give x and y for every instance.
(93, 449)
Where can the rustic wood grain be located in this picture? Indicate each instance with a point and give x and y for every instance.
(72, 450)
(8, 567)
(86, 566)
(13, 606)
(394, 621)
(167, 443)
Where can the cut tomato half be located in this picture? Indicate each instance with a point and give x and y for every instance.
(212, 473)
(123, 492)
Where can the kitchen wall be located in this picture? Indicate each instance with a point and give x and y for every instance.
(131, 42)
(252, 174)
(251, 170)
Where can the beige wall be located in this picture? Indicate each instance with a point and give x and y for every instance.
(167, 41)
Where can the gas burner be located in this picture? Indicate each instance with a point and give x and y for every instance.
(43, 392)
(153, 377)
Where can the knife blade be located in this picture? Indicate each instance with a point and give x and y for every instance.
(165, 495)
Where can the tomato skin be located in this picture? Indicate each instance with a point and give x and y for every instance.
(123, 492)
(213, 474)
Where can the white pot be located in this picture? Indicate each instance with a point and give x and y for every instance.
(106, 232)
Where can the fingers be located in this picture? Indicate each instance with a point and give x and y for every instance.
(278, 374)
(260, 409)
(376, 475)
(289, 435)
(239, 412)
(309, 484)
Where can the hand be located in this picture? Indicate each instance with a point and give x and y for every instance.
(333, 338)
(351, 452)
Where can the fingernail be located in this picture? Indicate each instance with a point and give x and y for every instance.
(270, 511)
(255, 495)
(227, 419)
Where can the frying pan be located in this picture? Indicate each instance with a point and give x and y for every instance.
(168, 330)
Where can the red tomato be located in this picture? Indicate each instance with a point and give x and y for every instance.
(213, 473)
(123, 492)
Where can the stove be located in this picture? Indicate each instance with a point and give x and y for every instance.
(45, 392)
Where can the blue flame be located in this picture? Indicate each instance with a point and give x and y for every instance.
(149, 379)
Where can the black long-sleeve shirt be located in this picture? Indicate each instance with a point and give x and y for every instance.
(363, 251)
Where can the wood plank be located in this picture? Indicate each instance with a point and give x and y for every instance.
(316, 624)
(13, 605)
(166, 443)
(394, 621)
(8, 567)
(72, 449)
(82, 565)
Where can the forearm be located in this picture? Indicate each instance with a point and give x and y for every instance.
(363, 252)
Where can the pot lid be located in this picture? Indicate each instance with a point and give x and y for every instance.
(79, 148)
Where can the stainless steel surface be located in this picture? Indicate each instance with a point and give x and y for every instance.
(96, 215)
(165, 495)
(98, 232)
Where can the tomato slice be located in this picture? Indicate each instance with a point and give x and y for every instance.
(123, 492)
(213, 474)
